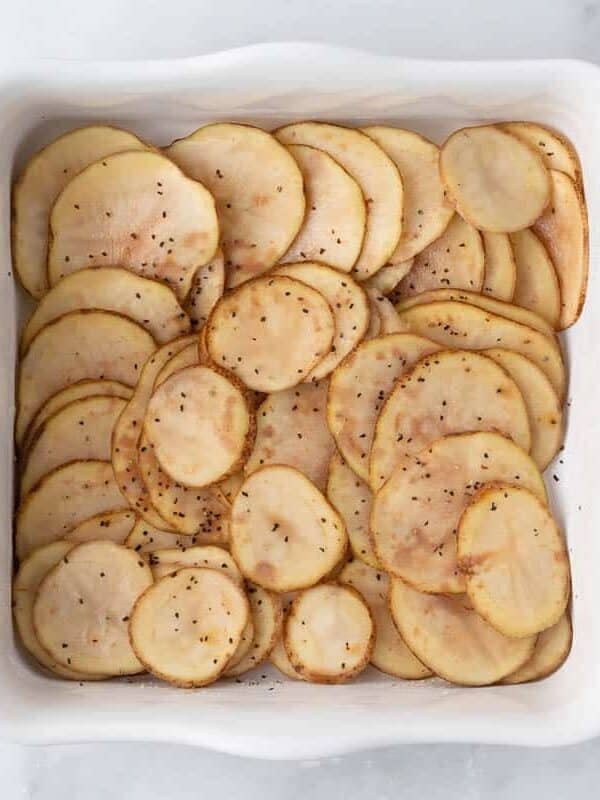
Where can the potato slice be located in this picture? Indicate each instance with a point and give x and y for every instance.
(137, 210)
(543, 407)
(279, 658)
(187, 357)
(79, 432)
(389, 276)
(81, 345)
(199, 410)
(551, 649)
(61, 500)
(284, 533)
(447, 392)
(494, 180)
(374, 328)
(250, 329)
(537, 286)
(500, 273)
(115, 526)
(416, 513)
(257, 187)
(145, 538)
(348, 302)
(446, 634)
(186, 627)
(231, 486)
(334, 226)
(455, 260)
(244, 645)
(291, 428)
(207, 289)
(352, 499)
(556, 151)
(329, 633)
(169, 560)
(38, 186)
(267, 615)
(83, 605)
(425, 213)
(359, 387)
(563, 229)
(389, 322)
(375, 173)
(390, 653)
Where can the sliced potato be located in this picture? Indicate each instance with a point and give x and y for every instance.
(389, 321)
(375, 173)
(267, 614)
(556, 151)
(115, 526)
(207, 289)
(145, 538)
(389, 276)
(137, 210)
(537, 286)
(186, 627)
(187, 357)
(551, 649)
(231, 486)
(257, 187)
(334, 226)
(284, 533)
(416, 513)
(446, 634)
(244, 645)
(500, 274)
(83, 605)
(280, 659)
(494, 180)
(374, 328)
(170, 560)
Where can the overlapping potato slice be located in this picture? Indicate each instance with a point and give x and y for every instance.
(375, 173)
(389, 276)
(115, 526)
(257, 187)
(278, 656)
(389, 321)
(137, 210)
(448, 392)
(494, 180)
(352, 499)
(187, 357)
(207, 289)
(416, 513)
(267, 615)
(374, 328)
(552, 647)
(83, 605)
(536, 287)
(145, 538)
(446, 634)
(169, 560)
(500, 273)
(231, 486)
(556, 151)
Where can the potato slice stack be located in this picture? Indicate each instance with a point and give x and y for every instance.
(289, 396)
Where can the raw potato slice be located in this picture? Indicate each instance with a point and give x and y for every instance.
(168, 561)
(115, 526)
(200, 425)
(267, 615)
(537, 286)
(448, 392)
(145, 538)
(425, 213)
(329, 633)
(79, 432)
(231, 486)
(291, 428)
(207, 289)
(416, 513)
(551, 649)
(334, 226)
(389, 276)
(493, 179)
(62, 500)
(348, 302)
(375, 173)
(390, 653)
(455, 260)
(188, 357)
(257, 187)
(250, 330)
(284, 533)
(186, 636)
(93, 345)
(563, 229)
(359, 387)
(83, 605)
(137, 210)
(515, 561)
(543, 407)
(43, 178)
(500, 273)
(556, 151)
(150, 304)
(389, 322)
(446, 634)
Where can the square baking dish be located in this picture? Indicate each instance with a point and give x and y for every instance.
(265, 715)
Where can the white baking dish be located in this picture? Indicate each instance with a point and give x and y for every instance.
(269, 84)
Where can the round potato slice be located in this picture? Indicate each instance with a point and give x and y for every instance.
(551, 649)
(537, 286)
(115, 526)
(390, 653)
(170, 560)
(81, 345)
(446, 634)
(284, 533)
(389, 276)
(389, 322)
(207, 289)
(145, 538)
(556, 151)
(352, 499)
(500, 274)
(83, 605)
(359, 387)
(80, 431)
(186, 627)
(188, 357)
(329, 633)
(515, 561)
(334, 226)
(495, 181)
(416, 513)
(447, 392)
(61, 500)
(267, 615)
(43, 178)
(257, 187)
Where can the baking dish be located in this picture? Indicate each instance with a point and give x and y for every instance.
(264, 715)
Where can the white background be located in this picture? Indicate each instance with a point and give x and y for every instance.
(130, 29)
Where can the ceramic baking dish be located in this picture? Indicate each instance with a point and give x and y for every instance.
(265, 715)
